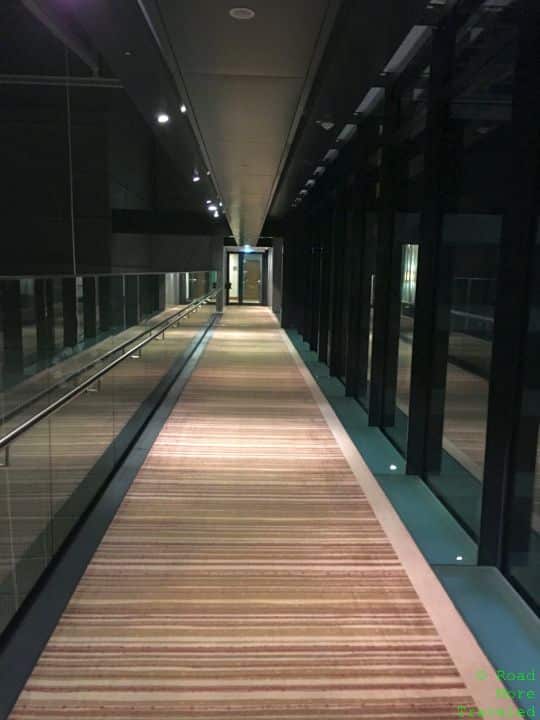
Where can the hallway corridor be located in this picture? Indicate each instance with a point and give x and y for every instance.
(247, 575)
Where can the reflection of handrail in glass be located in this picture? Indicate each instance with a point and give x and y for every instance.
(88, 366)
(472, 316)
(6, 440)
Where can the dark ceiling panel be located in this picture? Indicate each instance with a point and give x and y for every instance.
(364, 37)
(245, 81)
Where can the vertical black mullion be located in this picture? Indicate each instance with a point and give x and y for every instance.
(324, 309)
(308, 269)
(132, 300)
(240, 278)
(12, 325)
(69, 311)
(428, 369)
(89, 307)
(518, 238)
(315, 283)
(44, 313)
(382, 312)
(357, 296)
(336, 312)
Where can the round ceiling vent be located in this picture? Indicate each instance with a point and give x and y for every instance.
(242, 13)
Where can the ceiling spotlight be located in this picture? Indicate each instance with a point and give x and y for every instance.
(393, 467)
(310, 182)
(183, 108)
(459, 558)
(127, 53)
(208, 172)
(303, 192)
(220, 204)
(242, 13)
(216, 214)
(196, 177)
(325, 124)
(208, 202)
(212, 208)
(163, 118)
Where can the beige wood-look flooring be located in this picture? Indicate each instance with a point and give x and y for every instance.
(248, 575)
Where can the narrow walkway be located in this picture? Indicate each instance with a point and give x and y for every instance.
(246, 574)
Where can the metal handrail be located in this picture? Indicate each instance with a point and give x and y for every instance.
(79, 371)
(6, 440)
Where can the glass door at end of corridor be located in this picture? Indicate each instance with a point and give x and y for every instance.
(245, 282)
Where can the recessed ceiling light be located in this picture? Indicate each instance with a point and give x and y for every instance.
(331, 155)
(212, 208)
(325, 124)
(216, 214)
(393, 467)
(162, 118)
(459, 557)
(127, 53)
(196, 177)
(242, 13)
(208, 202)
(183, 108)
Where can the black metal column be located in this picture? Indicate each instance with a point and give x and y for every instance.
(430, 341)
(69, 311)
(385, 332)
(339, 228)
(519, 232)
(315, 283)
(132, 300)
(12, 326)
(357, 345)
(325, 240)
(89, 307)
(44, 311)
(308, 277)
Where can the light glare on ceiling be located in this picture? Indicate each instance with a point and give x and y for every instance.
(242, 13)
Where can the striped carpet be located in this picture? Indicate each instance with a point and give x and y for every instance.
(245, 574)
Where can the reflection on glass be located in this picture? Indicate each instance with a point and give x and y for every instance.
(476, 195)
(366, 311)
(57, 467)
(470, 318)
(522, 560)
(409, 264)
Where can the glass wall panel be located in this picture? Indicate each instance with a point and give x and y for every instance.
(522, 560)
(409, 189)
(54, 470)
(372, 194)
(476, 199)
